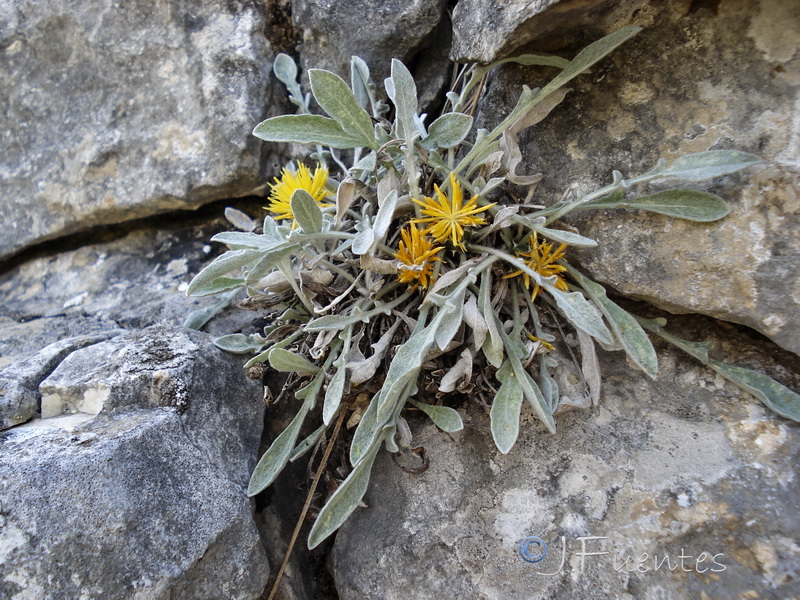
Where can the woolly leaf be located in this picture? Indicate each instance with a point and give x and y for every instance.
(691, 205)
(238, 343)
(581, 313)
(404, 95)
(205, 282)
(444, 417)
(289, 362)
(336, 99)
(276, 457)
(344, 500)
(630, 334)
(705, 165)
(306, 211)
(506, 407)
(448, 131)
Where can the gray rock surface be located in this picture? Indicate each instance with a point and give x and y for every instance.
(694, 79)
(683, 464)
(20, 400)
(485, 30)
(114, 112)
(56, 304)
(334, 30)
(136, 280)
(136, 489)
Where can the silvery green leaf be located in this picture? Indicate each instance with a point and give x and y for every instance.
(540, 60)
(272, 230)
(530, 390)
(777, 397)
(630, 334)
(364, 239)
(404, 368)
(238, 343)
(492, 184)
(333, 395)
(581, 313)
(564, 237)
(366, 432)
(217, 286)
(289, 362)
(548, 385)
(448, 131)
(270, 259)
(258, 358)
(506, 407)
(452, 276)
(239, 219)
(384, 217)
(390, 444)
(705, 165)
(245, 240)
(345, 195)
(307, 443)
(336, 321)
(276, 457)
(205, 282)
(336, 99)
(367, 163)
(404, 96)
(198, 318)
(344, 500)
(691, 205)
(445, 418)
(309, 392)
(340, 322)
(589, 56)
(307, 129)
(306, 211)
(450, 321)
(590, 366)
(360, 81)
(493, 346)
(285, 69)
(474, 319)
(535, 398)
(699, 350)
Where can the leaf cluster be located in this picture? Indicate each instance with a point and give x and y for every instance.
(354, 339)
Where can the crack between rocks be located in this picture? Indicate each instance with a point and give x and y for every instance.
(98, 234)
(38, 374)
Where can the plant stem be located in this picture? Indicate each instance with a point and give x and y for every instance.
(307, 504)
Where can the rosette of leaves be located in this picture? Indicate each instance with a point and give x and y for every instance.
(361, 334)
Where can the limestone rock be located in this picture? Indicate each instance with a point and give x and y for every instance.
(138, 489)
(19, 383)
(694, 79)
(114, 112)
(485, 30)
(131, 282)
(686, 464)
(334, 30)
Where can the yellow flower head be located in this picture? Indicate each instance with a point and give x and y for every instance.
(281, 195)
(449, 217)
(416, 255)
(542, 259)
